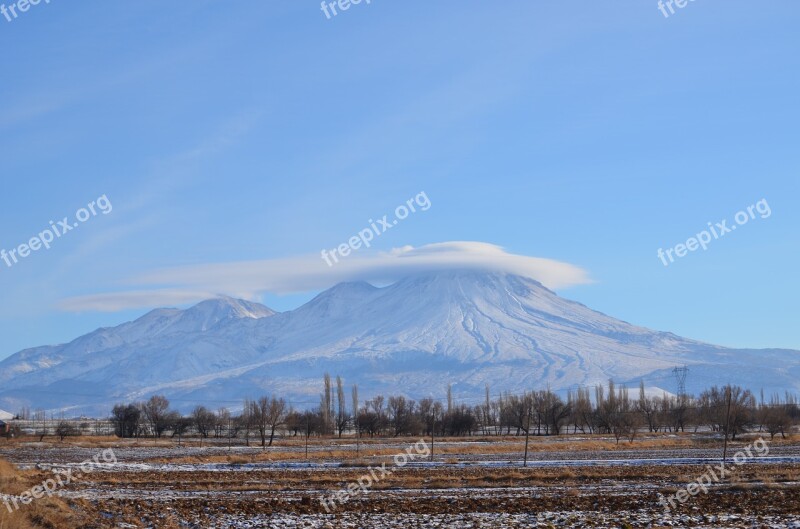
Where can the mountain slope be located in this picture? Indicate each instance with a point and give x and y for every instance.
(468, 328)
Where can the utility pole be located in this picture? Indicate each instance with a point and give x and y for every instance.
(527, 434)
(308, 432)
(355, 420)
(727, 423)
(433, 432)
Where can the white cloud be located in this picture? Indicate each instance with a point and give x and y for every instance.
(250, 279)
(115, 301)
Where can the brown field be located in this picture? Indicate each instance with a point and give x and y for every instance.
(573, 481)
(50, 513)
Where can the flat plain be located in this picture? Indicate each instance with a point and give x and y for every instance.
(478, 482)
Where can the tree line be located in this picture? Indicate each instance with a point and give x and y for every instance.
(604, 410)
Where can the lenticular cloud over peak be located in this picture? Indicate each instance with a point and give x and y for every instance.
(484, 256)
(251, 279)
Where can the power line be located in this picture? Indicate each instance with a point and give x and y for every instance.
(680, 374)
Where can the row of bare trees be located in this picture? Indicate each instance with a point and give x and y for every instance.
(262, 417)
(606, 410)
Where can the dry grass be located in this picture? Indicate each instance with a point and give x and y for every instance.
(421, 478)
(88, 441)
(43, 513)
(286, 450)
(290, 448)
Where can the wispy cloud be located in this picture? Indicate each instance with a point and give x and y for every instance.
(251, 279)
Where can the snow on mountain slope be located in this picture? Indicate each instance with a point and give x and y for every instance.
(468, 328)
(99, 349)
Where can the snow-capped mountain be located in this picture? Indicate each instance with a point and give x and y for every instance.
(468, 328)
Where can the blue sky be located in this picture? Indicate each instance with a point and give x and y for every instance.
(229, 132)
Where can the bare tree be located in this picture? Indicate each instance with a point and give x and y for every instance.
(354, 396)
(326, 404)
(221, 421)
(449, 398)
(246, 420)
(625, 421)
(66, 429)
(268, 413)
(648, 408)
(425, 410)
(204, 420)
(402, 415)
(729, 409)
(581, 408)
(342, 418)
(487, 412)
(276, 416)
(776, 418)
(556, 412)
(39, 416)
(179, 424)
(126, 420)
(156, 411)
(372, 418)
(258, 411)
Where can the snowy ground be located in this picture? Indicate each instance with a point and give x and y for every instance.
(561, 488)
(505, 521)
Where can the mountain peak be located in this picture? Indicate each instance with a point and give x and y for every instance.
(340, 297)
(210, 312)
(225, 306)
(197, 318)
